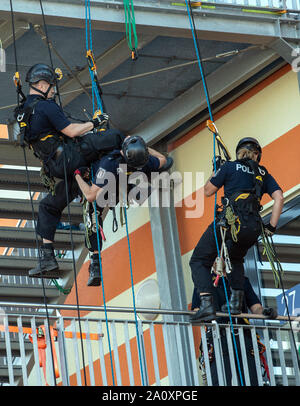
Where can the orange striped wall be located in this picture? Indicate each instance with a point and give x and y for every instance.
(5, 222)
(3, 131)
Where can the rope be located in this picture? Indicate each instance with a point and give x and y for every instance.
(130, 28)
(68, 204)
(95, 89)
(269, 247)
(30, 195)
(95, 93)
(197, 49)
(133, 294)
(231, 220)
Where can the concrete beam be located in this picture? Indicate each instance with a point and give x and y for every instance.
(25, 238)
(15, 179)
(193, 101)
(21, 209)
(287, 50)
(226, 22)
(12, 154)
(107, 62)
(6, 32)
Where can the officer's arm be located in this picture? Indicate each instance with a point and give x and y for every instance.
(277, 196)
(77, 129)
(209, 188)
(162, 159)
(89, 192)
(256, 308)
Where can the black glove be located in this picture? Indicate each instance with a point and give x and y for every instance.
(217, 163)
(270, 312)
(84, 172)
(269, 229)
(99, 120)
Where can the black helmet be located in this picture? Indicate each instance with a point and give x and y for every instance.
(250, 143)
(41, 71)
(135, 151)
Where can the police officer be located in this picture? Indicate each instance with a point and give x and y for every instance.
(245, 182)
(62, 147)
(105, 185)
(251, 302)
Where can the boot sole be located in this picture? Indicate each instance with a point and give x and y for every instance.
(204, 318)
(95, 282)
(32, 272)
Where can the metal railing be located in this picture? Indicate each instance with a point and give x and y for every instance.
(250, 355)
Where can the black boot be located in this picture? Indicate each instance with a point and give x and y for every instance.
(206, 310)
(94, 270)
(47, 261)
(235, 303)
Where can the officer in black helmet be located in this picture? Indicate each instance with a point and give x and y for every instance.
(110, 179)
(244, 181)
(61, 147)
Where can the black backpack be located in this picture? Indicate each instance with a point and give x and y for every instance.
(23, 115)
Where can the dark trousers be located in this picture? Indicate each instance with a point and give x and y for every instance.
(206, 252)
(66, 190)
(238, 362)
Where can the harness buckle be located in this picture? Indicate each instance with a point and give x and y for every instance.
(20, 117)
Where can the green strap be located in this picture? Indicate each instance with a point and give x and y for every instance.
(271, 255)
(131, 35)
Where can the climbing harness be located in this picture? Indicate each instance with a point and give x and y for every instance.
(222, 263)
(42, 345)
(47, 180)
(89, 220)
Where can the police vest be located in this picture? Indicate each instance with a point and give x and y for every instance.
(244, 203)
(45, 144)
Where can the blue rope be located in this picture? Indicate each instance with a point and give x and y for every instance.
(133, 296)
(193, 29)
(95, 94)
(102, 285)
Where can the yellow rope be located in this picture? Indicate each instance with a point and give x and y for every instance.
(232, 219)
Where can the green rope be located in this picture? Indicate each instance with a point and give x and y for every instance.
(271, 255)
(231, 220)
(131, 35)
(60, 288)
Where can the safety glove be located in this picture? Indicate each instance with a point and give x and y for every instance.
(269, 229)
(84, 172)
(100, 119)
(217, 163)
(270, 312)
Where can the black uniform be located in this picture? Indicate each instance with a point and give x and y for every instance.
(236, 177)
(59, 154)
(110, 163)
(250, 299)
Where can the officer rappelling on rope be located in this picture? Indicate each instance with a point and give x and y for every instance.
(245, 181)
(136, 156)
(61, 147)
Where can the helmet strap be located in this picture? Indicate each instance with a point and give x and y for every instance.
(45, 94)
